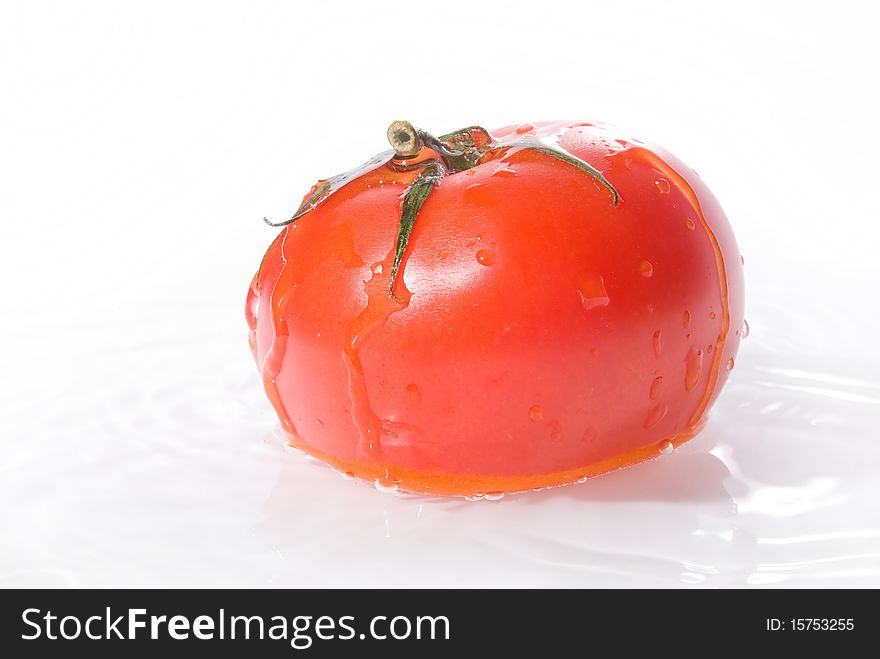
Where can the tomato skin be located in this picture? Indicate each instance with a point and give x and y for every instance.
(544, 333)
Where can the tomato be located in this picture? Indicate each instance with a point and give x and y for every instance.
(498, 311)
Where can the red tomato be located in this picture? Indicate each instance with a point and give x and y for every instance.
(538, 333)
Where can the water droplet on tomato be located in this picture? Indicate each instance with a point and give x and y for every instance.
(646, 268)
(693, 368)
(376, 268)
(730, 364)
(476, 194)
(486, 257)
(665, 447)
(657, 344)
(712, 315)
(380, 306)
(690, 224)
(346, 475)
(662, 185)
(656, 388)
(745, 328)
(471, 172)
(385, 487)
(343, 249)
(686, 318)
(656, 415)
(582, 479)
(475, 497)
(493, 496)
(504, 170)
(522, 129)
(536, 413)
(251, 307)
(592, 291)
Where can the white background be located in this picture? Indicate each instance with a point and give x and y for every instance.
(141, 143)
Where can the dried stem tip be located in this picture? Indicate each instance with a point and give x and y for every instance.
(404, 139)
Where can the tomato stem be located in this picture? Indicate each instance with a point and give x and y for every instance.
(456, 152)
(404, 139)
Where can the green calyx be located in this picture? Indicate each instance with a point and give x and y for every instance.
(413, 199)
(453, 153)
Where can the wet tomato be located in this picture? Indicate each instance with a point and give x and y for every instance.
(496, 311)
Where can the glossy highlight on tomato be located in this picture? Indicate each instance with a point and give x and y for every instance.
(499, 311)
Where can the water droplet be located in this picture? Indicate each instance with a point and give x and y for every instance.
(656, 415)
(524, 128)
(477, 194)
(536, 413)
(662, 185)
(475, 497)
(504, 170)
(709, 348)
(712, 315)
(346, 475)
(493, 496)
(592, 291)
(693, 368)
(745, 329)
(665, 447)
(690, 224)
(471, 172)
(251, 307)
(730, 364)
(657, 344)
(486, 257)
(582, 479)
(555, 431)
(385, 488)
(376, 268)
(686, 318)
(646, 268)
(656, 388)
(650, 308)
